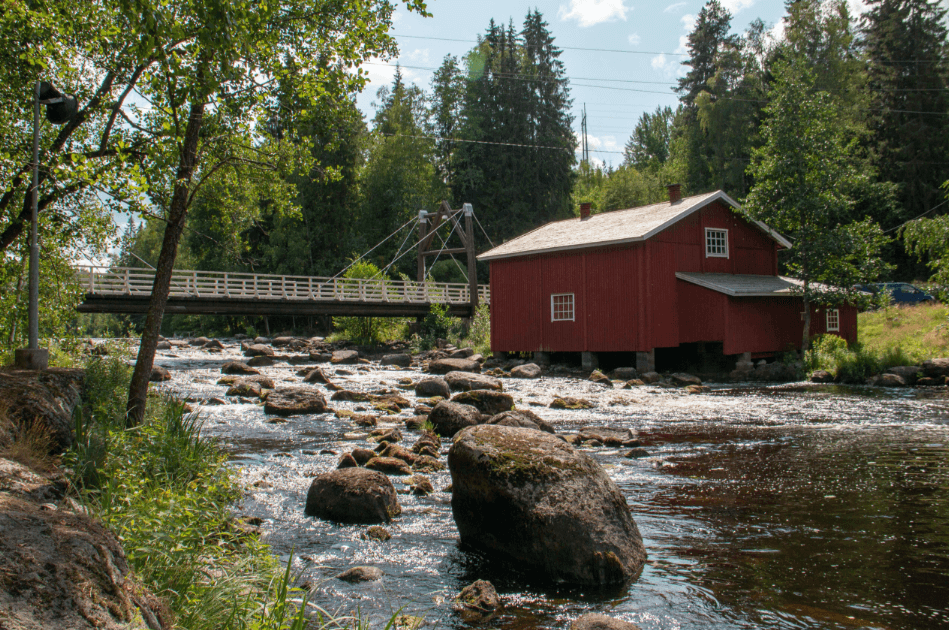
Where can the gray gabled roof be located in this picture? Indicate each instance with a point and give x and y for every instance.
(613, 228)
(743, 285)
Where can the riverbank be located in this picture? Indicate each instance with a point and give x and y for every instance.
(124, 528)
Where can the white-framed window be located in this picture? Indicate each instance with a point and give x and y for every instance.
(716, 243)
(561, 307)
(833, 320)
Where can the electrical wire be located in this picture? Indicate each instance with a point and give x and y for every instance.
(374, 248)
(919, 217)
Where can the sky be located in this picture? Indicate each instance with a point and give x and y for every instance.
(640, 49)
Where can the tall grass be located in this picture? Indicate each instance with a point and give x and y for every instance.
(890, 336)
(167, 493)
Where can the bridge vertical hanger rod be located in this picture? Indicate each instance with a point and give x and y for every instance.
(472, 261)
(422, 233)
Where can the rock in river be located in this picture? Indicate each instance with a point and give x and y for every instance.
(360, 574)
(465, 381)
(353, 495)
(528, 370)
(525, 419)
(477, 602)
(236, 367)
(294, 401)
(448, 418)
(435, 386)
(486, 401)
(530, 499)
(444, 366)
(595, 621)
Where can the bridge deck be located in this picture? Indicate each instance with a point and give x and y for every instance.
(128, 290)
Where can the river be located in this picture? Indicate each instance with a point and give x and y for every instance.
(791, 506)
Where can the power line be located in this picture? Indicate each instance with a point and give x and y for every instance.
(610, 50)
(645, 52)
(915, 218)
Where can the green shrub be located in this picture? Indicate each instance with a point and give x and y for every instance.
(365, 330)
(168, 494)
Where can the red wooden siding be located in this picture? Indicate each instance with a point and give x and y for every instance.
(749, 249)
(628, 299)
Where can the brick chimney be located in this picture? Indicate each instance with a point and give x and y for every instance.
(675, 193)
(584, 211)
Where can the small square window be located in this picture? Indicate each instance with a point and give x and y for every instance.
(833, 320)
(716, 243)
(561, 307)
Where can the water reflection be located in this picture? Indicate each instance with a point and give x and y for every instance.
(785, 507)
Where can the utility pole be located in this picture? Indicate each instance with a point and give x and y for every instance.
(585, 147)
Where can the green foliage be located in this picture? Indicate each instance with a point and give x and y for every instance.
(907, 58)
(479, 334)
(929, 239)
(648, 146)
(804, 178)
(167, 493)
(365, 330)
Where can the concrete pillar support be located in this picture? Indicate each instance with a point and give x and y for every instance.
(542, 358)
(646, 361)
(589, 360)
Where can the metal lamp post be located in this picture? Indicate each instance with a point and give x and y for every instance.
(60, 109)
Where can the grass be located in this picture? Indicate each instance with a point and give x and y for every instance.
(920, 331)
(890, 336)
(167, 493)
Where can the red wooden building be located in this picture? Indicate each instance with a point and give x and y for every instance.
(663, 276)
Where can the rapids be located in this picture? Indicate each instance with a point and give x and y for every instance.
(792, 506)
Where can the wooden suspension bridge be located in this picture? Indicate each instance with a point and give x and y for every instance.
(128, 290)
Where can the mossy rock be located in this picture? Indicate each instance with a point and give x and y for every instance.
(567, 402)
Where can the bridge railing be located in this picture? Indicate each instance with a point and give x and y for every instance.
(131, 281)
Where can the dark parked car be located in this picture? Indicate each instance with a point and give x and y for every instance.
(900, 292)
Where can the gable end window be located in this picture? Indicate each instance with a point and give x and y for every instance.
(716, 243)
(561, 307)
(833, 320)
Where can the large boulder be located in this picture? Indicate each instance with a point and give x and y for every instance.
(625, 373)
(486, 401)
(524, 419)
(436, 386)
(294, 401)
(444, 366)
(448, 418)
(464, 381)
(530, 499)
(936, 367)
(352, 495)
(528, 370)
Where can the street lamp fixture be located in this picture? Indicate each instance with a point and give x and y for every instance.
(60, 108)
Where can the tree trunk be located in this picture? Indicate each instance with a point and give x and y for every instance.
(138, 389)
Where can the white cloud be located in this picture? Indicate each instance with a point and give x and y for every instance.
(688, 22)
(734, 6)
(659, 62)
(590, 12)
(674, 7)
(603, 143)
(634, 39)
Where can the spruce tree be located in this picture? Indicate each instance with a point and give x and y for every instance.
(906, 49)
